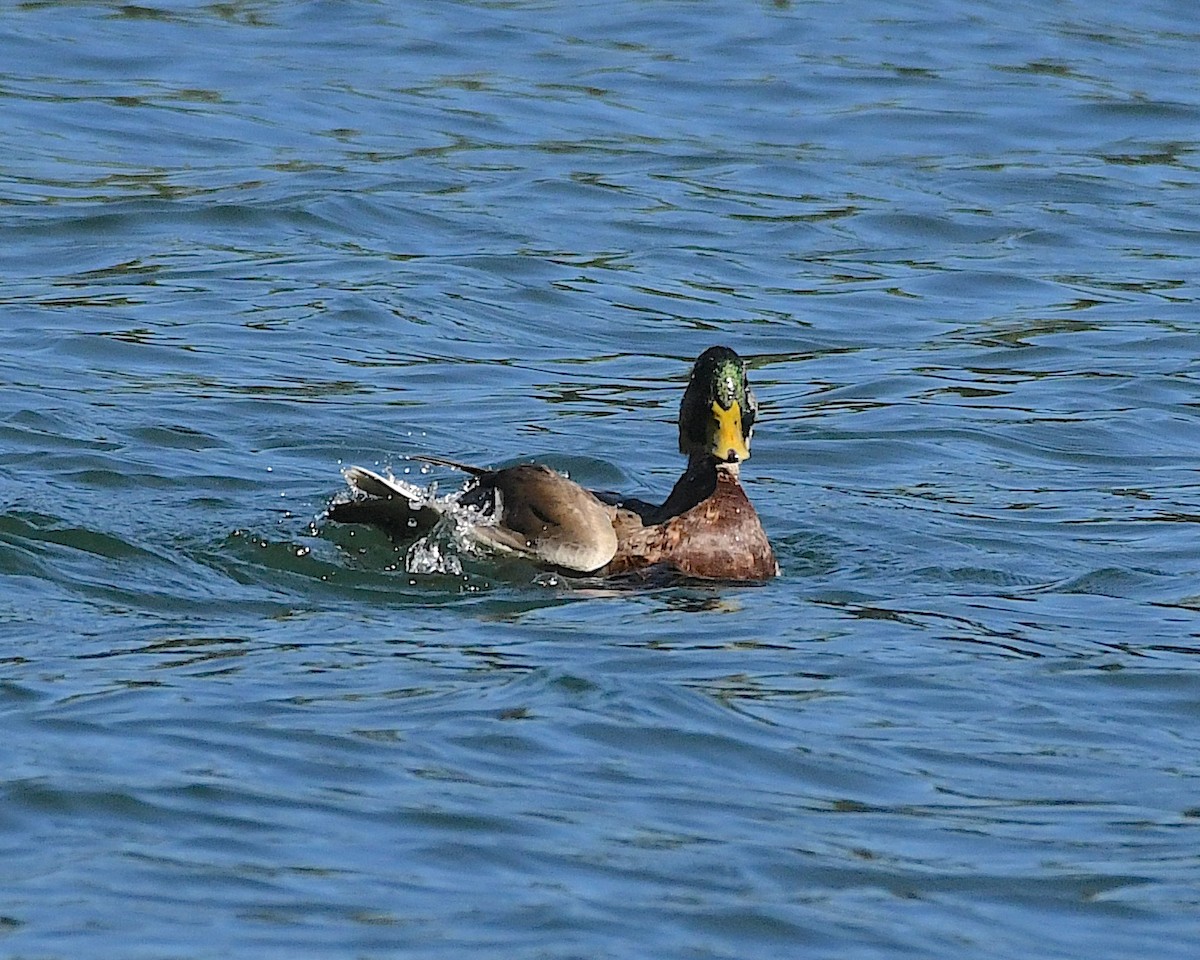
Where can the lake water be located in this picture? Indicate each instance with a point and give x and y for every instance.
(247, 244)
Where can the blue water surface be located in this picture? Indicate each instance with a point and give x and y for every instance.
(249, 243)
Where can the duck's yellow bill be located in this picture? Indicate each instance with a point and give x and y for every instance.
(728, 443)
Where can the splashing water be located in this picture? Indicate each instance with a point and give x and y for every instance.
(428, 556)
(454, 535)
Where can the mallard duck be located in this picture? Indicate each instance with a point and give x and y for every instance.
(707, 527)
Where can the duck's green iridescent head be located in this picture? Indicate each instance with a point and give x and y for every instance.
(718, 411)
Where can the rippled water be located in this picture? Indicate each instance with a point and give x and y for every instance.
(249, 243)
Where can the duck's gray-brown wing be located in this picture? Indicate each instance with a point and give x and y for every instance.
(550, 518)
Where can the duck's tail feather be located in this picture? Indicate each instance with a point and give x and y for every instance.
(386, 504)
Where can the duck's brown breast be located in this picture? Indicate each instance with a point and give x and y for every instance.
(720, 538)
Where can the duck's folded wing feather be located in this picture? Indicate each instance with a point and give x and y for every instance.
(553, 519)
